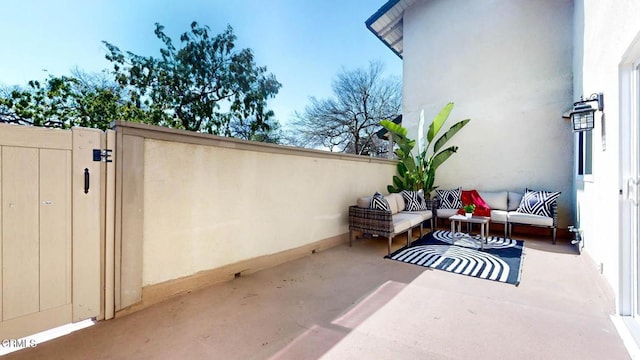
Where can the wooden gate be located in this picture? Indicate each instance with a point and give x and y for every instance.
(52, 223)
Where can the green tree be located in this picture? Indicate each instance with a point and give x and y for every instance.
(269, 132)
(202, 86)
(66, 101)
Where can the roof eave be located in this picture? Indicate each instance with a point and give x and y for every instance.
(387, 24)
(377, 15)
(384, 41)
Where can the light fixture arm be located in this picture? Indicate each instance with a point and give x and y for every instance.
(598, 97)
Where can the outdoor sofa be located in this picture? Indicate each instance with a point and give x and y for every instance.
(539, 208)
(387, 223)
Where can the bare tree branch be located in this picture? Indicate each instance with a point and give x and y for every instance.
(348, 121)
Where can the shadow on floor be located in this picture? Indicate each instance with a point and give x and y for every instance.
(350, 302)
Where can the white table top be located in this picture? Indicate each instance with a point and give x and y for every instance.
(473, 219)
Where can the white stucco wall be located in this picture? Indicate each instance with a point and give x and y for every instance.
(507, 66)
(604, 32)
(209, 206)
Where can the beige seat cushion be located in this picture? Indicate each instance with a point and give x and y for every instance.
(514, 200)
(364, 202)
(497, 200)
(397, 200)
(446, 213)
(393, 203)
(499, 216)
(413, 219)
(426, 214)
(401, 224)
(529, 219)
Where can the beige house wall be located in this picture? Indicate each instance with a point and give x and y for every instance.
(199, 208)
(507, 65)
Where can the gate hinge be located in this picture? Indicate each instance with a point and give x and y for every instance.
(102, 155)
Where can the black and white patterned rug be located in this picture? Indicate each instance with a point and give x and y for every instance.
(501, 259)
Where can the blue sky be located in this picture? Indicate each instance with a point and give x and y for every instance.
(303, 42)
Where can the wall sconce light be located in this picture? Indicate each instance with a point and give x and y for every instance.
(582, 113)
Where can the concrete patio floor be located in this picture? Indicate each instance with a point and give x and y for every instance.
(351, 303)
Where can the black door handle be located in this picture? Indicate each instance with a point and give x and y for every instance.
(86, 180)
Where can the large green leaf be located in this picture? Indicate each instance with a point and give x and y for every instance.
(404, 148)
(392, 189)
(393, 127)
(441, 157)
(398, 182)
(419, 172)
(449, 134)
(437, 123)
(399, 136)
(409, 164)
(402, 169)
(428, 181)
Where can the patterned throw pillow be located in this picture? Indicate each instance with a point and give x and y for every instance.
(378, 202)
(537, 202)
(450, 199)
(414, 200)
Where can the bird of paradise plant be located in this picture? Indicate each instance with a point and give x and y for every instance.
(419, 172)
